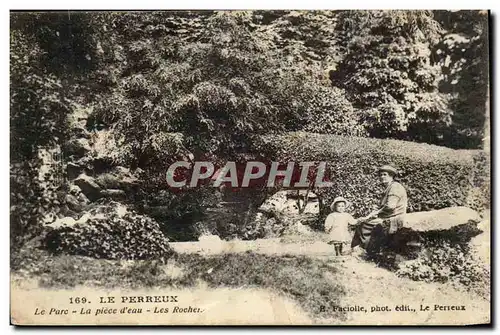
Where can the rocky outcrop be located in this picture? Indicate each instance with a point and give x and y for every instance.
(291, 203)
(89, 187)
(78, 147)
(73, 170)
(119, 178)
(442, 219)
(288, 213)
(114, 194)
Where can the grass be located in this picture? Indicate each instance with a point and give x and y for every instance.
(307, 281)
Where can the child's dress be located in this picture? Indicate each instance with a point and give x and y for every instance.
(337, 227)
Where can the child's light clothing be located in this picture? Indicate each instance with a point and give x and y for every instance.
(337, 226)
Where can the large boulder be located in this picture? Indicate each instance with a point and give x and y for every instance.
(420, 230)
(89, 187)
(73, 170)
(78, 147)
(442, 219)
(114, 194)
(119, 178)
(453, 224)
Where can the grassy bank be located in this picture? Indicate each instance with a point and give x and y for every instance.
(310, 282)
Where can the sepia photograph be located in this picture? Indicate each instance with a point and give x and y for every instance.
(258, 167)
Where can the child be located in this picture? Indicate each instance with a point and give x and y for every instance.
(337, 225)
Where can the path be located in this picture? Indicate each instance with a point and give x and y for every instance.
(366, 285)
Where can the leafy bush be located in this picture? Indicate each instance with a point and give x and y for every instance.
(442, 262)
(332, 113)
(388, 73)
(34, 197)
(435, 177)
(111, 233)
(210, 93)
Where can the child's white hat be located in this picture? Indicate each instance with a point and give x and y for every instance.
(338, 199)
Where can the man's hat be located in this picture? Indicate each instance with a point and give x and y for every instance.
(338, 199)
(389, 169)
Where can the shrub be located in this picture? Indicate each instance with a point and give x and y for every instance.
(443, 261)
(435, 177)
(110, 232)
(332, 113)
(35, 197)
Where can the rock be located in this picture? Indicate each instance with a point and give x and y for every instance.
(73, 203)
(114, 194)
(76, 192)
(294, 212)
(73, 170)
(480, 245)
(453, 224)
(275, 203)
(442, 219)
(89, 187)
(288, 202)
(77, 147)
(118, 178)
(63, 222)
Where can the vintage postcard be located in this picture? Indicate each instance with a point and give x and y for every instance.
(264, 167)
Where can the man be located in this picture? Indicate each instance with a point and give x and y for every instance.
(375, 229)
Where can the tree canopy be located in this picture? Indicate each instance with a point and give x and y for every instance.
(169, 85)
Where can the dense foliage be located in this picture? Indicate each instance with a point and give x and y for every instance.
(209, 95)
(109, 234)
(435, 177)
(155, 87)
(443, 261)
(388, 74)
(44, 72)
(463, 54)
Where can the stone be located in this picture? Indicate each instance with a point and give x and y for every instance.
(288, 203)
(441, 219)
(77, 147)
(296, 215)
(114, 194)
(89, 187)
(73, 203)
(117, 178)
(275, 203)
(63, 222)
(73, 170)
